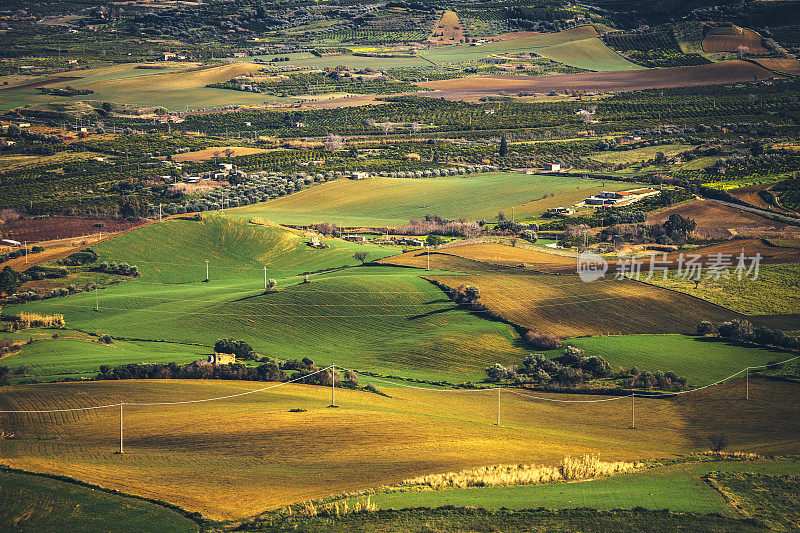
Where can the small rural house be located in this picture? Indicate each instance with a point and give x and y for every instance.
(221, 358)
(552, 167)
(355, 238)
(610, 194)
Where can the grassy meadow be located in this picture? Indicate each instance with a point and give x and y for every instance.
(237, 457)
(391, 201)
(39, 504)
(74, 355)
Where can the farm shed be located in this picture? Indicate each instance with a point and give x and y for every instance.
(221, 358)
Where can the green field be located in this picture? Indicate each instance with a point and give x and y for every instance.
(392, 201)
(588, 54)
(578, 47)
(382, 319)
(34, 503)
(677, 488)
(50, 359)
(702, 360)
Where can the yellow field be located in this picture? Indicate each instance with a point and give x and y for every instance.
(235, 458)
(217, 153)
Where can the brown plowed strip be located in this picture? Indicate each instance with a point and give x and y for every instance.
(35, 84)
(631, 80)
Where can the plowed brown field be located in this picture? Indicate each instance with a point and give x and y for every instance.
(631, 80)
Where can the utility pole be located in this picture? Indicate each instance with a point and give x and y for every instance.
(428, 248)
(633, 411)
(26, 251)
(498, 407)
(512, 213)
(333, 385)
(747, 381)
(159, 212)
(265, 278)
(96, 300)
(223, 201)
(120, 428)
(206, 269)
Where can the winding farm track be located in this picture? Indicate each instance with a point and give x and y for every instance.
(630, 80)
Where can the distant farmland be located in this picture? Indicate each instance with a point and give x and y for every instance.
(711, 74)
(738, 39)
(392, 201)
(126, 84)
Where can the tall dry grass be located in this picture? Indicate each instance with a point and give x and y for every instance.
(335, 508)
(34, 320)
(572, 468)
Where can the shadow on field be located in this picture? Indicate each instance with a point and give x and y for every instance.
(766, 424)
(434, 312)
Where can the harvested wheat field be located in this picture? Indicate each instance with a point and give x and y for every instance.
(715, 220)
(633, 80)
(566, 306)
(219, 152)
(736, 40)
(235, 458)
(449, 30)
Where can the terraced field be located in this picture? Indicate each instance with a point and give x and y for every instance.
(230, 459)
(393, 201)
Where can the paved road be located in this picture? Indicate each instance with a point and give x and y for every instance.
(756, 210)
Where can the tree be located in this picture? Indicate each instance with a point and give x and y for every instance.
(718, 442)
(272, 284)
(503, 146)
(678, 227)
(705, 328)
(660, 159)
(9, 280)
(434, 240)
(472, 293)
(361, 256)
